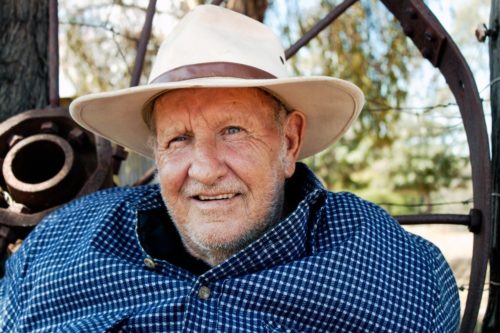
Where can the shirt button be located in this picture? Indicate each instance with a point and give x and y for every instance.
(204, 292)
(149, 263)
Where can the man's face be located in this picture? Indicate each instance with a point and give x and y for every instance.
(222, 158)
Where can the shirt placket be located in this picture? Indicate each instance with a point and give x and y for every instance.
(201, 308)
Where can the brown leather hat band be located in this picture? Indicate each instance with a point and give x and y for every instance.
(212, 69)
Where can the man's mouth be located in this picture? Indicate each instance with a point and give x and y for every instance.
(224, 196)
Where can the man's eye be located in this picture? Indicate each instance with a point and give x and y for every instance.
(233, 130)
(178, 140)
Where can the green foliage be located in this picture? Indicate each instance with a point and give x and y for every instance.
(365, 45)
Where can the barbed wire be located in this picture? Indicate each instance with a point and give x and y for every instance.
(466, 287)
(492, 82)
(409, 109)
(425, 109)
(105, 26)
(431, 204)
(114, 33)
(122, 55)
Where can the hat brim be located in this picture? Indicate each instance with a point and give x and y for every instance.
(329, 104)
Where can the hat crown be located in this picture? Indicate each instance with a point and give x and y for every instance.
(203, 36)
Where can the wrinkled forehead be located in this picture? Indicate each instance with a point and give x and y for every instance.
(191, 98)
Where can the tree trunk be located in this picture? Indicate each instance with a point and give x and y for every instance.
(23, 68)
(491, 322)
(23, 56)
(254, 8)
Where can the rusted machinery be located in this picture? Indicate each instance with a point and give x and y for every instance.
(46, 160)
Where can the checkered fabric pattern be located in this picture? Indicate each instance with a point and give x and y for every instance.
(335, 264)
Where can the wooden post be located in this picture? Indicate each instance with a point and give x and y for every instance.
(491, 322)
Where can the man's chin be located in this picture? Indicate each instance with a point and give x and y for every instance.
(223, 241)
(222, 238)
(214, 249)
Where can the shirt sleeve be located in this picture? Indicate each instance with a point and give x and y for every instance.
(9, 293)
(447, 313)
(13, 285)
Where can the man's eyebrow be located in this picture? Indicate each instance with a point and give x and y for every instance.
(233, 119)
(174, 129)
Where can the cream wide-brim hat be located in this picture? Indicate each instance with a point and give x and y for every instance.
(213, 47)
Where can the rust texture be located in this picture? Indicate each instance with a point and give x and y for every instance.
(46, 160)
(143, 44)
(459, 219)
(53, 54)
(55, 178)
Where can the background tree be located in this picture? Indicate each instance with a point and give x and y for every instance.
(255, 9)
(23, 56)
(23, 65)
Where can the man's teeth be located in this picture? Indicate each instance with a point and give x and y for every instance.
(216, 197)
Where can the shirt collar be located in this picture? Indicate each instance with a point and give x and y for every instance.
(287, 241)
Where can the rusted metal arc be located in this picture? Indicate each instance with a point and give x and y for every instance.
(458, 219)
(436, 44)
(143, 44)
(53, 54)
(318, 27)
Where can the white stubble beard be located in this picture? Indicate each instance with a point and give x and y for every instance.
(215, 253)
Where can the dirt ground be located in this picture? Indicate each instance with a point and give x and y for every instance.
(455, 243)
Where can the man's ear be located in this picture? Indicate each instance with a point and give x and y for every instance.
(294, 128)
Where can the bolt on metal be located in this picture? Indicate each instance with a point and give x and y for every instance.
(482, 32)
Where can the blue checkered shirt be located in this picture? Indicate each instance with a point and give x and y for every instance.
(336, 263)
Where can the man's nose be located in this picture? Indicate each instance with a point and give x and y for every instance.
(207, 164)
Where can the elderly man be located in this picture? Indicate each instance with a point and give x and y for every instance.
(237, 236)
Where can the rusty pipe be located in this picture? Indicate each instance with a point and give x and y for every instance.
(53, 54)
(143, 44)
(40, 171)
(318, 27)
(119, 153)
